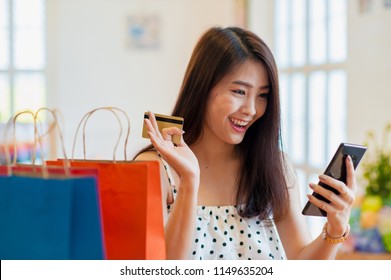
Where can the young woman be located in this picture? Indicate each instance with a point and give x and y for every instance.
(228, 190)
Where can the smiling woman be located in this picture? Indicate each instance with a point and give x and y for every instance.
(228, 190)
(238, 100)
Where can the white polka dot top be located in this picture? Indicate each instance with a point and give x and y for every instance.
(222, 234)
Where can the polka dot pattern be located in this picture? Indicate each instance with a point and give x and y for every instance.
(221, 233)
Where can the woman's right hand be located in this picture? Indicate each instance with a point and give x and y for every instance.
(180, 156)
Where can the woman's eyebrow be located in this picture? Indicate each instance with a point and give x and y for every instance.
(243, 83)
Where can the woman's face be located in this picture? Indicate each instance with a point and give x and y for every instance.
(236, 102)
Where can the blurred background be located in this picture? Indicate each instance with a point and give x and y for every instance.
(333, 56)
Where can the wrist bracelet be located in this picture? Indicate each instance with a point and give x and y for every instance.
(333, 240)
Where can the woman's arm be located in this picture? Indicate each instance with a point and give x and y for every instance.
(294, 231)
(180, 225)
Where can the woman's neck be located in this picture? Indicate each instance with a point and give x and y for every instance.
(210, 152)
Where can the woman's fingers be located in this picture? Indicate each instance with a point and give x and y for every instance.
(345, 192)
(173, 134)
(151, 130)
(339, 201)
(343, 189)
(338, 210)
(154, 126)
(339, 186)
(350, 174)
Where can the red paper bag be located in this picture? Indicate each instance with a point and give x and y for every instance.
(131, 200)
(131, 204)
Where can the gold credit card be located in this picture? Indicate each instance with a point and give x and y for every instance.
(164, 121)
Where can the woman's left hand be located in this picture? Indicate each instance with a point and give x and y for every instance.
(180, 156)
(340, 206)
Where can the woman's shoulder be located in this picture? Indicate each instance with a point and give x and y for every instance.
(147, 155)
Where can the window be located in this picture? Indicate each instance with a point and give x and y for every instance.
(22, 56)
(22, 65)
(311, 49)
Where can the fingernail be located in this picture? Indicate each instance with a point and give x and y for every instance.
(322, 177)
(182, 131)
(312, 186)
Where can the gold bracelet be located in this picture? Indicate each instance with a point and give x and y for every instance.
(333, 240)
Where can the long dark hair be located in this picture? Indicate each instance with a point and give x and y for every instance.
(262, 186)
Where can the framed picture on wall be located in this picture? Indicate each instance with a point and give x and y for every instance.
(143, 32)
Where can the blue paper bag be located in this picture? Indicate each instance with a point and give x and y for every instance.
(50, 219)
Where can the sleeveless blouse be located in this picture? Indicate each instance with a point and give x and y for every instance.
(222, 234)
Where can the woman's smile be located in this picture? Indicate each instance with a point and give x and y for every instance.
(238, 125)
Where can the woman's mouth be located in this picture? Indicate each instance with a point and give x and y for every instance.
(238, 125)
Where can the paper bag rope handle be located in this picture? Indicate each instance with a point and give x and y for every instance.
(55, 124)
(84, 122)
(12, 121)
(37, 140)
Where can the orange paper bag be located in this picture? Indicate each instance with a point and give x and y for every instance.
(131, 203)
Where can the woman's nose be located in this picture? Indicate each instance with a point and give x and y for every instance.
(248, 107)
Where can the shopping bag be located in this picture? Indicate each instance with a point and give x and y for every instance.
(131, 204)
(49, 218)
(49, 213)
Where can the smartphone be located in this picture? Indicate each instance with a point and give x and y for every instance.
(164, 121)
(337, 170)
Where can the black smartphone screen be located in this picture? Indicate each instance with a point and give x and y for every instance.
(337, 170)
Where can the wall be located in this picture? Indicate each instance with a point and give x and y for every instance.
(90, 65)
(369, 70)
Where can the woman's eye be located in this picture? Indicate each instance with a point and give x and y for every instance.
(239, 91)
(263, 95)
